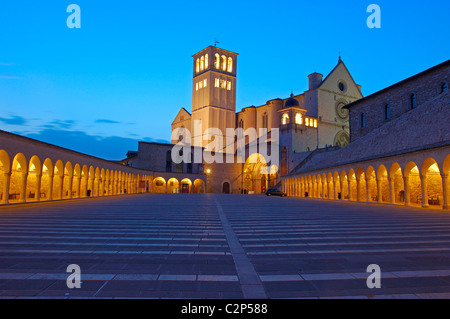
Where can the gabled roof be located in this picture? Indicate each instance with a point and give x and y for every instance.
(334, 69)
(182, 111)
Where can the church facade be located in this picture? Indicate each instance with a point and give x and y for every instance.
(314, 119)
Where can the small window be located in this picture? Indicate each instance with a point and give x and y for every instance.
(444, 87)
(387, 112)
(230, 65)
(285, 119)
(265, 120)
(198, 65)
(217, 61)
(307, 121)
(298, 119)
(341, 86)
(224, 63)
(217, 83)
(413, 101)
(206, 61)
(228, 85)
(363, 120)
(202, 63)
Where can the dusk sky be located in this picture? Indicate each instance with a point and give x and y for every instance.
(126, 73)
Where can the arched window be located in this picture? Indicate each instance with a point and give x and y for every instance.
(387, 112)
(307, 121)
(444, 87)
(198, 65)
(228, 85)
(230, 65)
(217, 83)
(202, 63)
(363, 120)
(265, 120)
(413, 101)
(206, 61)
(224, 63)
(241, 124)
(217, 61)
(315, 123)
(298, 119)
(285, 119)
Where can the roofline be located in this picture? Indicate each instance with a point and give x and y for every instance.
(348, 106)
(212, 46)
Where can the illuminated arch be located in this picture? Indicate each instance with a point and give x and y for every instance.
(58, 178)
(217, 61)
(432, 190)
(5, 169)
(186, 186)
(224, 63)
(33, 189)
(68, 178)
(159, 185)
(202, 63)
(396, 183)
(230, 65)
(173, 186)
(84, 181)
(413, 184)
(18, 180)
(199, 186)
(383, 186)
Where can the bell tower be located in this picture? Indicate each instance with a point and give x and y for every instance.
(213, 91)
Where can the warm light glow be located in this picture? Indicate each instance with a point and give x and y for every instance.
(229, 86)
(217, 61)
(205, 83)
(202, 63)
(196, 86)
(206, 61)
(298, 119)
(285, 119)
(230, 65)
(224, 63)
(208, 171)
(307, 121)
(315, 123)
(198, 65)
(217, 83)
(434, 168)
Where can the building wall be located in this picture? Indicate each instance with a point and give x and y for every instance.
(426, 86)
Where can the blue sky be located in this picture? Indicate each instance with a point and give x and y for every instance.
(126, 73)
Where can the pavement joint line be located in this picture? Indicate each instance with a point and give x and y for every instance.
(251, 285)
(122, 277)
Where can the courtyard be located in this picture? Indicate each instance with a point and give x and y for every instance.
(222, 246)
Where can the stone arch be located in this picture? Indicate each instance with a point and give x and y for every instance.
(325, 186)
(352, 191)
(91, 181)
(432, 192)
(33, 188)
(68, 178)
(255, 168)
(199, 186)
(18, 181)
(173, 186)
(341, 139)
(446, 182)
(96, 189)
(58, 178)
(5, 169)
(361, 185)
(371, 185)
(397, 185)
(186, 186)
(383, 187)
(344, 185)
(159, 185)
(413, 184)
(47, 179)
(319, 186)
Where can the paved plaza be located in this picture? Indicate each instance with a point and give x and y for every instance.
(222, 246)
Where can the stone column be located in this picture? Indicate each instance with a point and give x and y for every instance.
(7, 180)
(392, 190)
(38, 191)
(445, 191)
(358, 190)
(406, 195)
(79, 187)
(379, 190)
(69, 195)
(61, 179)
(342, 189)
(368, 199)
(324, 187)
(349, 185)
(50, 186)
(23, 188)
(424, 191)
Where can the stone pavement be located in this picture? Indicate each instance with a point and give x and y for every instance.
(222, 246)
